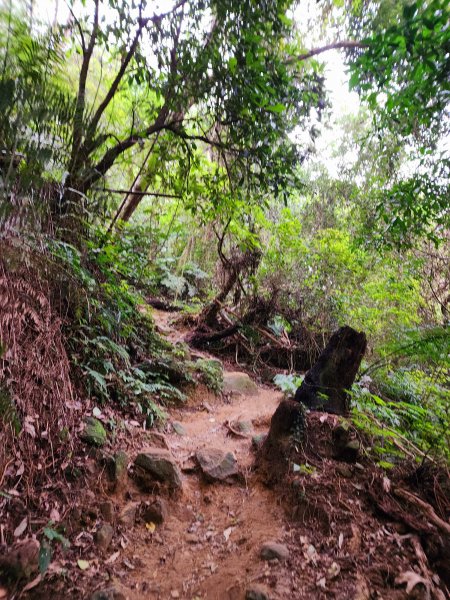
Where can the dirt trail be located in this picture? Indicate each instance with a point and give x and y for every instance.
(209, 545)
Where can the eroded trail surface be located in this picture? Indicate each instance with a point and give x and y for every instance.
(208, 546)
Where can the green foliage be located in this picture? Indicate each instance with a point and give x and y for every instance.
(36, 107)
(411, 404)
(210, 373)
(288, 384)
(404, 76)
(112, 342)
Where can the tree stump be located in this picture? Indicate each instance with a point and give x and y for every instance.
(326, 383)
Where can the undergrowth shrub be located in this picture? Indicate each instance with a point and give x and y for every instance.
(405, 404)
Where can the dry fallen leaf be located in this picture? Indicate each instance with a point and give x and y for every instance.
(112, 558)
(334, 570)
(21, 527)
(150, 527)
(83, 564)
(340, 540)
(227, 533)
(386, 484)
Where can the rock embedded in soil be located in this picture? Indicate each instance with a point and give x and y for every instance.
(127, 516)
(155, 512)
(274, 550)
(107, 511)
(120, 469)
(257, 592)
(258, 440)
(158, 465)
(21, 562)
(93, 433)
(110, 593)
(104, 536)
(216, 464)
(178, 428)
(157, 440)
(239, 383)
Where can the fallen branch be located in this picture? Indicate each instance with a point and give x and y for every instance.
(426, 508)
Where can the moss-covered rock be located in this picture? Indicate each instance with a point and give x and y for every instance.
(93, 433)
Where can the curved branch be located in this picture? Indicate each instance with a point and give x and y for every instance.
(347, 44)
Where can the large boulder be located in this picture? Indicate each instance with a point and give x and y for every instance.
(326, 383)
(239, 383)
(216, 464)
(157, 465)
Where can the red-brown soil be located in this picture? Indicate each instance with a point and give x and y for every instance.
(344, 542)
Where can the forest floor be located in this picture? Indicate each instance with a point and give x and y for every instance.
(331, 537)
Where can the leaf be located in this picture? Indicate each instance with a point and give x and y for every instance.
(45, 556)
(112, 558)
(21, 527)
(227, 533)
(150, 527)
(83, 564)
(52, 534)
(276, 108)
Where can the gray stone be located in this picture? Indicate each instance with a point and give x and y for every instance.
(242, 426)
(107, 511)
(156, 512)
(178, 428)
(158, 465)
(93, 433)
(239, 383)
(344, 471)
(110, 593)
(157, 440)
(257, 592)
(127, 516)
(120, 474)
(258, 440)
(104, 536)
(216, 464)
(274, 550)
(21, 562)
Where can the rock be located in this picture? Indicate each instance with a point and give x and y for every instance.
(344, 471)
(344, 447)
(104, 536)
(217, 465)
(325, 385)
(21, 562)
(127, 516)
(243, 427)
(93, 433)
(110, 593)
(274, 550)
(258, 440)
(107, 511)
(178, 428)
(120, 474)
(156, 512)
(239, 383)
(257, 592)
(158, 465)
(157, 440)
